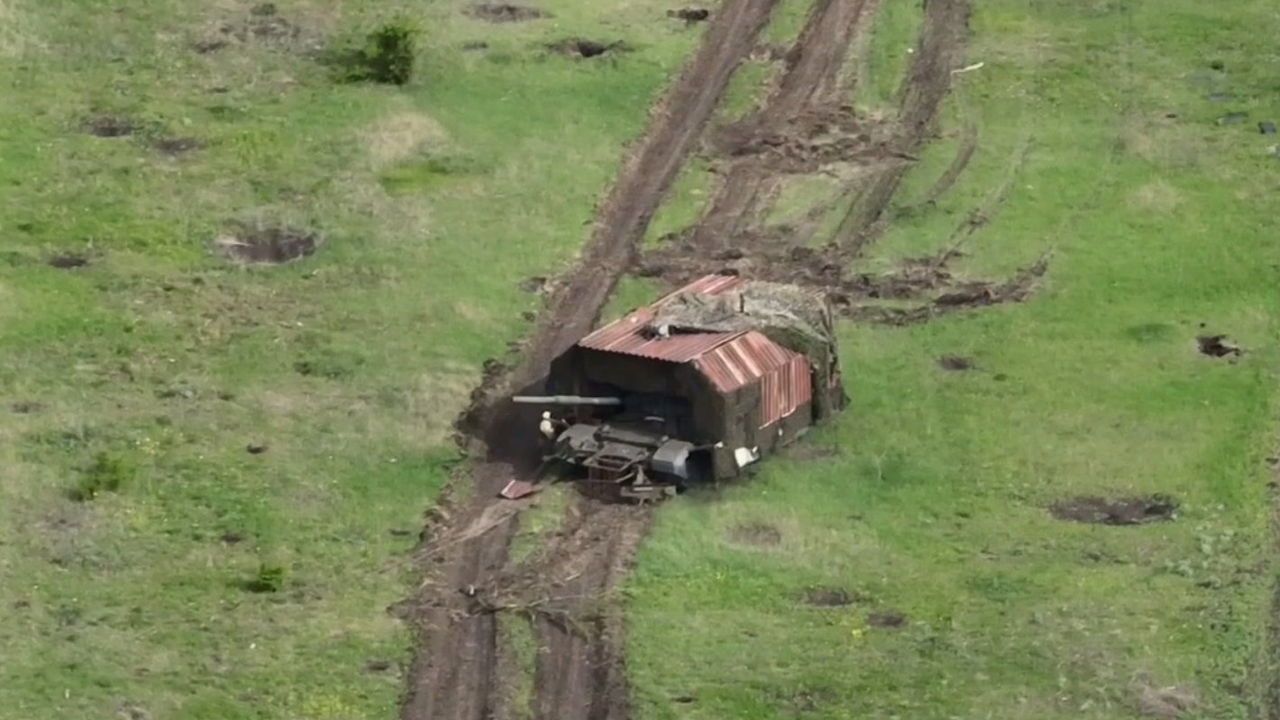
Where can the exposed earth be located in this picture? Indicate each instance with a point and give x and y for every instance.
(567, 591)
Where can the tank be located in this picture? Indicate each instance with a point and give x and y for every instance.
(699, 386)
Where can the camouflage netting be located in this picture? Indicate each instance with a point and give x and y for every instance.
(795, 318)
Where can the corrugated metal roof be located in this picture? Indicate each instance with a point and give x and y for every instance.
(785, 390)
(629, 337)
(745, 359)
(730, 360)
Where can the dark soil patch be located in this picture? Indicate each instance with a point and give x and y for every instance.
(231, 538)
(535, 284)
(378, 666)
(690, 15)
(830, 597)
(1168, 703)
(264, 25)
(212, 45)
(1124, 511)
(505, 12)
(175, 146)
(475, 45)
(255, 449)
(1217, 346)
(110, 126)
(267, 245)
(887, 619)
(756, 533)
(955, 363)
(68, 261)
(26, 407)
(580, 47)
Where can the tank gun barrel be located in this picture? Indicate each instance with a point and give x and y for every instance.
(565, 400)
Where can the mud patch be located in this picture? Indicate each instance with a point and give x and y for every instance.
(263, 25)
(68, 261)
(955, 363)
(176, 146)
(536, 284)
(830, 597)
(690, 15)
(110, 126)
(1217, 346)
(756, 533)
(583, 48)
(1124, 511)
(505, 12)
(267, 245)
(891, 619)
(1168, 703)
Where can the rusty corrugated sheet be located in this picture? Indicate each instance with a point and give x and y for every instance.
(746, 358)
(785, 390)
(626, 336)
(618, 330)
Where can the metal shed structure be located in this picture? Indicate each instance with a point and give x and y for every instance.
(728, 388)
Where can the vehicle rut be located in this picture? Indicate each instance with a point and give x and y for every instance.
(454, 675)
(567, 590)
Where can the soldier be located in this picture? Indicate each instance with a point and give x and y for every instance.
(550, 428)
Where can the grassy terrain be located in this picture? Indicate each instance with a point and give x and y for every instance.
(212, 582)
(929, 497)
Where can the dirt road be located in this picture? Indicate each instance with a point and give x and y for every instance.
(566, 591)
(455, 673)
(810, 87)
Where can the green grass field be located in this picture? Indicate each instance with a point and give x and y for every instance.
(929, 497)
(435, 200)
(217, 584)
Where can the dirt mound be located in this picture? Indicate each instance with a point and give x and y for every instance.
(829, 597)
(1124, 511)
(68, 261)
(809, 139)
(174, 146)
(1167, 703)
(110, 126)
(1218, 346)
(955, 363)
(505, 12)
(267, 245)
(262, 25)
(583, 48)
(755, 533)
(887, 619)
(690, 15)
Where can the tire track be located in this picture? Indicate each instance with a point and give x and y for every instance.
(567, 592)
(810, 85)
(454, 675)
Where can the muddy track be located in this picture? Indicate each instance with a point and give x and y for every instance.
(735, 235)
(566, 592)
(455, 674)
(939, 51)
(809, 86)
